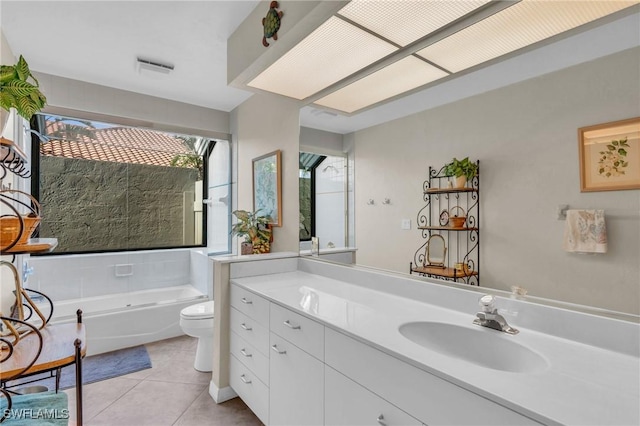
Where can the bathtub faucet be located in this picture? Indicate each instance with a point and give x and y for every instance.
(26, 271)
(489, 316)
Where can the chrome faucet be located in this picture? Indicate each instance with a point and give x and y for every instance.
(489, 316)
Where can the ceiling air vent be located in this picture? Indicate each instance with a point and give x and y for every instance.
(155, 66)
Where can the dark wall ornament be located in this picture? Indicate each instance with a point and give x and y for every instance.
(271, 23)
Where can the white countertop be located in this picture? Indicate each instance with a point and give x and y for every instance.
(583, 384)
(327, 250)
(235, 258)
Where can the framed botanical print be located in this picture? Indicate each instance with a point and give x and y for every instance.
(610, 156)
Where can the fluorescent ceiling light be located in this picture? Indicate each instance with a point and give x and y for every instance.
(404, 22)
(332, 52)
(520, 25)
(366, 52)
(395, 79)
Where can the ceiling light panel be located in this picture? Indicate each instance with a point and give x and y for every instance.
(332, 52)
(399, 77)
(404, 22)
(517, 26)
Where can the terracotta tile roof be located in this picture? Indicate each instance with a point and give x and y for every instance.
(116, 144)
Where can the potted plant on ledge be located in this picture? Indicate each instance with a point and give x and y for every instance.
(462, 170)
(255, 229)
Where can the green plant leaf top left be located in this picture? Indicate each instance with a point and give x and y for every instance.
(19, 89)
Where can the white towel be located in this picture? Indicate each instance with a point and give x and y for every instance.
(585, 232)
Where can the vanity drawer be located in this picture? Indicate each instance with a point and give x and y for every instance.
(422, 395)
(250, 330)
(348, 403)
(303, 332)
(250, 304)
(250, 389)
(248, 355)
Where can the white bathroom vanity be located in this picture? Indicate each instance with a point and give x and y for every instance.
(311, 342)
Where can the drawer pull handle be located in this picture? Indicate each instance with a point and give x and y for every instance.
(245, 301)
(275, 348)
(291, 326)
(381, 421)
(243, 352)
(244, 327)
(244, 379)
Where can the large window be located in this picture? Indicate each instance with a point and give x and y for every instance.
(107, 187)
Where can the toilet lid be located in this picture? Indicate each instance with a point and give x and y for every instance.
(200, 310)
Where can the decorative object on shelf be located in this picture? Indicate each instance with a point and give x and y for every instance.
(457, 217)
(19, 89)
(444, 218)
(267, 186)
(271, 23)
(451, 215)
(436, 251)
(462, 170)
(17, 228)
(256, 231)
(610, 156)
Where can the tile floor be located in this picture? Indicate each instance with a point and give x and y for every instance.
(172, 392)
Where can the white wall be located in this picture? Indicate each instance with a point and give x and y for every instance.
(155, 113)
(262, 124)
(525, 136)
(6, 58)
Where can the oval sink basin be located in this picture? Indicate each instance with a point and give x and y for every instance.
(481, 346)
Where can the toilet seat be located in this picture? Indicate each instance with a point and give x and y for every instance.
(198, 311)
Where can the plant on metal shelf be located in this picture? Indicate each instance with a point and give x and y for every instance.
(255, 229)
(19, 89)
(463, 170)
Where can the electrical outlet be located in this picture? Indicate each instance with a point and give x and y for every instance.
(405, 224)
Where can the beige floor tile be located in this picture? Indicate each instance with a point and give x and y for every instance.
(150, 403)
(204, 411)
(98, 396)
(178, 368)
(171, 392)
(184, 343)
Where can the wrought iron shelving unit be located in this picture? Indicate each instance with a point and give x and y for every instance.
(462, 242)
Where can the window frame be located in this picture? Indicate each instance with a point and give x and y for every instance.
(37, 122)
(312, 194)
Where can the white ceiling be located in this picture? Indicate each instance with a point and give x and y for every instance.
(98, 42)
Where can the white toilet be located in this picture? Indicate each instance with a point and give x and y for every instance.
(197, 321)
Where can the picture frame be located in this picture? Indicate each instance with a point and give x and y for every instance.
(267, 186)
(610, 156)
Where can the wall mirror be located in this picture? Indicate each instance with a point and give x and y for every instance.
(267, 186)
(436, 251)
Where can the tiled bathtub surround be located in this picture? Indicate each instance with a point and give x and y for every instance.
(90, 275)
(127, 298)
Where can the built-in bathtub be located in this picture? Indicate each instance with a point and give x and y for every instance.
(127, 319)
(127, 299)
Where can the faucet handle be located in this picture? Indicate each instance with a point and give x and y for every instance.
(487, 303)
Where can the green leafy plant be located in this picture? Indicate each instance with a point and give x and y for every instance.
(612, 161)
(254, 228)
(19, 89)
(190, 160)
(462, 167)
